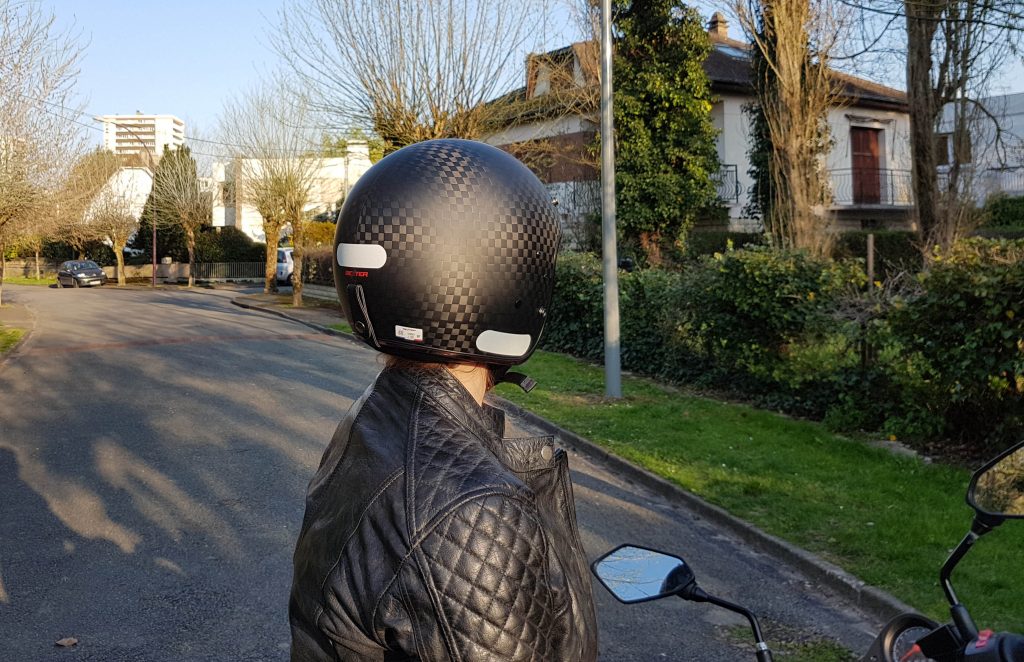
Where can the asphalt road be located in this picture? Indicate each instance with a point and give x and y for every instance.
(154, 453)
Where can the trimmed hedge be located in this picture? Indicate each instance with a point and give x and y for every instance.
(1002, 211)
(318, 266)
(942, 360)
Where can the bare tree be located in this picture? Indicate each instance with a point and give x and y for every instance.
(38, 67)
(114, 212)
(795, 91)
(276, 160)
(410, 70)
(71, 205)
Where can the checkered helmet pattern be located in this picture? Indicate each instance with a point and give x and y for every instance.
(445, 250)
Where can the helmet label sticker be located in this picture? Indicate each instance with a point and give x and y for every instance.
(504, 344)
(361, 256)
(409, 333)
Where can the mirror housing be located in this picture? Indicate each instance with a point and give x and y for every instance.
(637, 574)
(996, 491)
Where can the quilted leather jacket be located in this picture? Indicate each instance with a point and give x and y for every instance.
(429, 537)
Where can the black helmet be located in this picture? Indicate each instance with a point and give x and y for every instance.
(446, 252)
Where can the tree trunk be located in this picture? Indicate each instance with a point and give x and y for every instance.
(190, 234)
(270, 284)
(650, 242)
(38, 277)
(921, 96)
(297, 241)
(119, 253)
(3, 270)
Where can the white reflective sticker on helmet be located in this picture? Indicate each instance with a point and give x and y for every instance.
(505, 344)
(409, 333)
(362, 256)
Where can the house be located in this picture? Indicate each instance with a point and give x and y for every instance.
(992, 162)
(127, 189)
(869, 163)
(333, 179)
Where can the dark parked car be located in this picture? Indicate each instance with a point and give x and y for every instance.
(78, 273)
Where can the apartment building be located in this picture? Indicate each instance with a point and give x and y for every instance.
(141, 134)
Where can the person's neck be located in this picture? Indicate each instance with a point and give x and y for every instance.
(474, 377)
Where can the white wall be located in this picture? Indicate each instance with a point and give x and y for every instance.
(333, 179)
(132, 185)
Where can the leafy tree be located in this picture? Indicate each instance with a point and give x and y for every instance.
(665, 141)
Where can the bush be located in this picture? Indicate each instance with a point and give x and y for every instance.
(575, 323)
(318, 234)
(318, 266)
(967, 325)
(1002, 211)
(228, 244)
(748, 307)
(895, 251)
(709, 242)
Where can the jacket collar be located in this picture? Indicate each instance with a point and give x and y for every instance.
(486, 422)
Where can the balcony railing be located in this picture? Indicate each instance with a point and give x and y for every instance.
(871, 187)
(727, 184)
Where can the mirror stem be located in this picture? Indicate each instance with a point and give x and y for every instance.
(696, 594)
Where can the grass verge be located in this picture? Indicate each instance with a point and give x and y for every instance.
(9, 337)
(889, 520)
(22, 280)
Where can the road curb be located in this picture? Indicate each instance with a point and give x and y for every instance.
(873, 601)
(16, 348)
(313, 325)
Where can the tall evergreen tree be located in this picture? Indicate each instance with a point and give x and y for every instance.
(665, 142)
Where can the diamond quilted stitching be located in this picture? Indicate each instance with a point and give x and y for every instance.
(487, 561)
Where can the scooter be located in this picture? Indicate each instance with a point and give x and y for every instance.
(996, 492)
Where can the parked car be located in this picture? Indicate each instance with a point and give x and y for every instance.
(285, 265)
(79, 273)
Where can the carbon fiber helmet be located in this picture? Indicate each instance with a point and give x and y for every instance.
(445, 252)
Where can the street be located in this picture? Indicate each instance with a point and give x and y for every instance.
(154, 452)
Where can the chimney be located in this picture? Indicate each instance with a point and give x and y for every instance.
(718, 27)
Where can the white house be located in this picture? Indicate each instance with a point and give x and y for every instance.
(128, 188)
(993, 161)
(334, 177)
(869, 163)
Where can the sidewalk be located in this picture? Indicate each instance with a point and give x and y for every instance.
(879, 604)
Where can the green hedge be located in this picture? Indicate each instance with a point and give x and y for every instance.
(1002, 211)
(895, 251)
(318, 265)
(943, 360)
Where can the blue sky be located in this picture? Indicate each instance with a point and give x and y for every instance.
(185, 57)
(180, 58)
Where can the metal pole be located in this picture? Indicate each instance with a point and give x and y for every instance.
(612, 363)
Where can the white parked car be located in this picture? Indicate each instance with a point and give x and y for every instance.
(285, 265)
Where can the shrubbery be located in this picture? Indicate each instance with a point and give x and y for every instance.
(317, 265)
(1002, 211)
(942, 359)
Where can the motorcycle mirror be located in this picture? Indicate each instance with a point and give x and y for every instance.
(636, 574)
(997, 489)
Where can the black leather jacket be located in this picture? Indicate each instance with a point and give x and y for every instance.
(429, 537)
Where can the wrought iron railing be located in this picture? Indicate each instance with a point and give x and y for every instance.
(230, 270)
(871, 186)
(727, 183)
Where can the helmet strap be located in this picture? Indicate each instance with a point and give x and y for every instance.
(502, 375)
